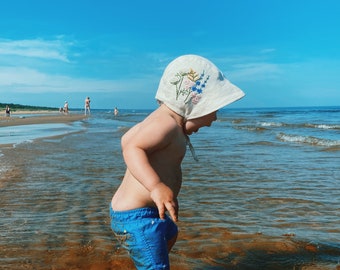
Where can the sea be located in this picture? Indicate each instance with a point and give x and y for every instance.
(265, 193)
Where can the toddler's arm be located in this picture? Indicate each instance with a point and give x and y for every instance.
(146, 140)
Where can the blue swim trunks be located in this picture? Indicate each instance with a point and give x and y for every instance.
(144, 235)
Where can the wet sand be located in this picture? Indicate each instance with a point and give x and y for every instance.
(86, 241)
(31, 118)
(227, 251)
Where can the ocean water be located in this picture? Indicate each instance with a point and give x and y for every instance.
(265, 193)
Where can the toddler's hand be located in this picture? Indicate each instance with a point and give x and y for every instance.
(164, 199)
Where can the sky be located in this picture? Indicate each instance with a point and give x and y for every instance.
(281, 53)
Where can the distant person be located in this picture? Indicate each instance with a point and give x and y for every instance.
(87, 105)
(8, 111)
(191, 91)
(116, 112)
(66, 107)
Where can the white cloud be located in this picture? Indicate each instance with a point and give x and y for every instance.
(254, 71)
(37, 48)
(22, 73)
(20, 76)
(269, 50)
(26, 80)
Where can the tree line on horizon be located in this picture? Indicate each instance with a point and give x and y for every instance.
(15, 107)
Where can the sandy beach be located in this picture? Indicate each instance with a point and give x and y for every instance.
(38, 117)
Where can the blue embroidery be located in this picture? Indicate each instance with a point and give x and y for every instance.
(190, 85)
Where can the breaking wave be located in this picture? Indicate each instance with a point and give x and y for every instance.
(307, 140)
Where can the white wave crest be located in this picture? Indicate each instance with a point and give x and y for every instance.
(271, 124)
(307, 140)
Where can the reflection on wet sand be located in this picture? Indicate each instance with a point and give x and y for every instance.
(194, 250)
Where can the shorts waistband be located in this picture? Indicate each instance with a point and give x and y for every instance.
(145, 212)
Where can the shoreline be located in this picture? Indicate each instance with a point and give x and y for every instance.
(32, 117)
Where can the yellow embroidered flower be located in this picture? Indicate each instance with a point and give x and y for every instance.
(193, 75)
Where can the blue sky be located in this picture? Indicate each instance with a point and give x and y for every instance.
(281, 53)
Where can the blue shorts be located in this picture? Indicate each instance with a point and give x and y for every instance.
(144, 235)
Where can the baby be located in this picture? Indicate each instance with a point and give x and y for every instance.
(190, 93)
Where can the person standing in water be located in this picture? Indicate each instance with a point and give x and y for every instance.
(191, 91)
(87, 105)
(66, 107)
(115, 111)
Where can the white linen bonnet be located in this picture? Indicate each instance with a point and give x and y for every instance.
(192, 86)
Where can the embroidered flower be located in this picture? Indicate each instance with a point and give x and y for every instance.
(190, 85)
(195, 98)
